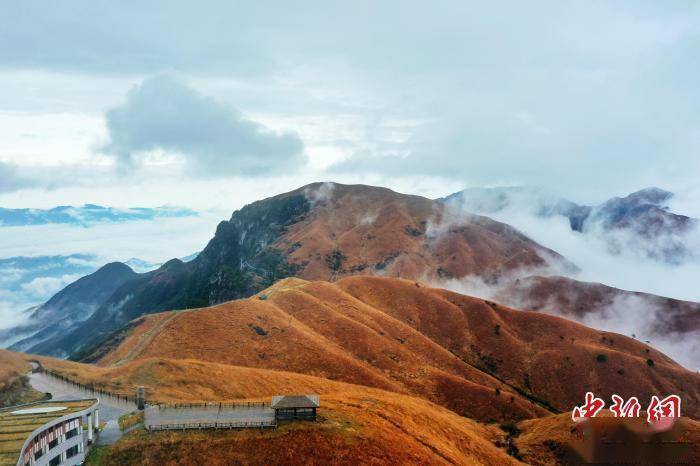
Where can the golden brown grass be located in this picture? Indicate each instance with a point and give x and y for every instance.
(12, 365)
(359, 424)
(479, 359)
(14, 387)
(371, 226)
(130, 419)
(396, 364)
(360, 427)
(553, 440)
(169, 380)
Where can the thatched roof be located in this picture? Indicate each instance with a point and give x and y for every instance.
(295, 401)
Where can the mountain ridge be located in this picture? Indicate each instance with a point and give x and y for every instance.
(71, 306)
(399, 335)
(639, 222)
(318, 231)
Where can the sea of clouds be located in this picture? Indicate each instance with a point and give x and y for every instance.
(627, 268)
(38, 261)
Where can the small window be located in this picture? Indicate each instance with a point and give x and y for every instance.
(72, 451)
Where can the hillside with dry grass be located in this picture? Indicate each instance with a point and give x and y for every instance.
(557, 440)
(403, 336)
(356, 427)
(477, 358)
(321, 231)
(407, 373)
(357, 424)
(12, 365)
(663, 318)
(14, 388)
(358, 229)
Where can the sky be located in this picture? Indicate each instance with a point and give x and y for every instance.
(219, 103)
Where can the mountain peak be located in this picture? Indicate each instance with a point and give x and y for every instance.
(115, 267)
(651, 195)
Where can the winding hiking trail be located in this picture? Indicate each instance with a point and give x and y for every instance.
(146, 338)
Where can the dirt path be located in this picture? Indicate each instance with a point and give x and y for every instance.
(146, 338)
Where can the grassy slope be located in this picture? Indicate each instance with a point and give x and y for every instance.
(361, 427)
(359, 424)
(395, 349)
(12, 365)
(310, 329)
(393, 334)
(550, 440)
(384, 232)
(14, 388)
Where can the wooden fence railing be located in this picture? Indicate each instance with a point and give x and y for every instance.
(160, 404)
(233, 404)
(92, 388)
(214, 425)
(262, 423)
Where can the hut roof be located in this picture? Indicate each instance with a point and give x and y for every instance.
(295, 401)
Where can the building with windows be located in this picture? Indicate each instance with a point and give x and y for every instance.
(291, 407)
(48, 432)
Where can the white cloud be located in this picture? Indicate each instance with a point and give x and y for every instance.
(154, 241)
(635, 315)
(42, 288)
(9, 317)
(166, 116)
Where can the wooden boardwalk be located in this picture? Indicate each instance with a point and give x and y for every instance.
(209, 416)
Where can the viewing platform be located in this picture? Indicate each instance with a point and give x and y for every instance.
(231, 415)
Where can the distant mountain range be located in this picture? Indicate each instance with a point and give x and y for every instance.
(671, 325)
(86, 215)
(638, 223)
(28, 281)
(342, 294)
(141, 266)
(326, 231)
(71, 306)
(320, 231)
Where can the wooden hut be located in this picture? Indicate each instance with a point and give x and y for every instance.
(289, 407)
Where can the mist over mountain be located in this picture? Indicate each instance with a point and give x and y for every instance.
(29, 281)
(670, 325)
(383, 332)
(437, 325)
(639, 224)
(68, 308)
(141, 266)
(326, 231)
(320, 231)
(629, 243)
